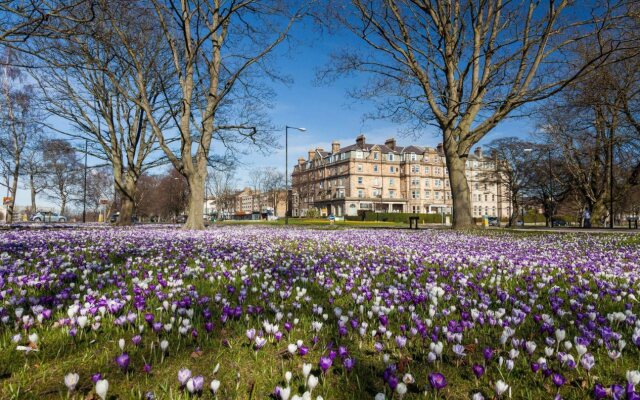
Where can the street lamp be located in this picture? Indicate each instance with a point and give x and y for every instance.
(286, 170)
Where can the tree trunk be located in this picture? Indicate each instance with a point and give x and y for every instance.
(127, 199)
(126, 211)
(196, 201)
(13, 191)
(63, 206)
(462, 218)
(32, 188)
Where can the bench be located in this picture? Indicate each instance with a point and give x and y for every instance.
(633, 221)
(413, 221)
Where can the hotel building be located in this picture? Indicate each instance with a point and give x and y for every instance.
(389, 178)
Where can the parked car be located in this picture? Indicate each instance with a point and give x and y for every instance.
(559, 222)
(493, 221)
(519, 223)
(48, 216)
(116, 216)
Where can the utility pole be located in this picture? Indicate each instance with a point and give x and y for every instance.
(611, 179)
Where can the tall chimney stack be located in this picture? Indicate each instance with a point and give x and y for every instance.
(360, 141)
(390, 143)
(311, 154)
(335, 147)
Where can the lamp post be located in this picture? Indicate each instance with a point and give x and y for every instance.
(286, 170)
(527, 151)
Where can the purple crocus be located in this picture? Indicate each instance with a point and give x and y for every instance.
(183, 376)
(136, 340)
(123, 361)
(349, 363)
(303, 350)
(487, 353)
(325, 363)
(96, 377)
(599, 392)
(558, 379)
(478, 370)
(437, 381)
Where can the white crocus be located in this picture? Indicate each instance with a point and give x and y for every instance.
(71, 380)
(102, 386)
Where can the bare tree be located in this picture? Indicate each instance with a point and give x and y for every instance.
(22, 20)
(18, 122)
(77, 80)
(34, 169)
(513, 170)
(274, 188)
(463, 66)
(64, 172)
(215, 47)
(221, 184)
(99, 187)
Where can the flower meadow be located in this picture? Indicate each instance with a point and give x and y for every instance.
(258, 312)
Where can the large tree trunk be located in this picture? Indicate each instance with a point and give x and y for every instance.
(63, 206)
(12, 191)
(196, 180)
(462, 218)
(127, 199)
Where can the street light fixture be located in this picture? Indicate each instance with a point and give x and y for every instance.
(286, 170)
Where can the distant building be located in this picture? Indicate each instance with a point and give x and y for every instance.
(389, 178)
(246, 202)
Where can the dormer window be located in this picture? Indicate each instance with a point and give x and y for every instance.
(390, 157)
(375, 155)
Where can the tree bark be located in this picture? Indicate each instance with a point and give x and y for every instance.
(462, 218)
(196, 178)
(127, 199)
(32, 188)
(13, 191)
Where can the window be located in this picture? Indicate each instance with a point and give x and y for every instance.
(392, 181)
(392, 194)
(391, 169)
(415, 168)
(486, 197)
(359, 154)
(437, 195)
(415, 194)
(359, 167)
(493, 197)
(426, 170)
(416, 209)
(375, 155)
(376, 181)
(360, 180)
(426, 182)
(390, 157)
(446, 183)
(413, 157)
(376, 192)
(494, 211)
(375, 168)
(448, 195)
(437, 182)
(427, 194)
(415, 182)
(360, 193)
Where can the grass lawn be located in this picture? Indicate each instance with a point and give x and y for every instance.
(429, 314)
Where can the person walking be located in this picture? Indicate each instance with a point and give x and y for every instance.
(586, 218)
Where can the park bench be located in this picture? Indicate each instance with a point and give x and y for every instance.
(413, 222)
(633, 221)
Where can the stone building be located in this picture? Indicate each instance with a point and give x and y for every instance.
(388, 178)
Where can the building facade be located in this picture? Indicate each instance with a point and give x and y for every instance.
(246, 202)
(388, 178)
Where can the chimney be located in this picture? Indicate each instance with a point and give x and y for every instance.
(360, 141)
(311, 154)
(391, 143)
(300, 161)
(478, 152)
(335, 147)
(319, 149)
(440, 149)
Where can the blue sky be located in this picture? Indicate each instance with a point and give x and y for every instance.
(326, 111)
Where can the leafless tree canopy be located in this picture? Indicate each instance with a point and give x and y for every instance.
(463, 66)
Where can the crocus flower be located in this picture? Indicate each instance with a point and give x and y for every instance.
(183, 376)
(478, 370)
(312, 382)
(195, 384)
(348, 363)
(71, 380)
(123, 361)
(437, 381)
(306, 369)
(102, 386)
(325, 363)
(501, 387)
(558, 379)
(215, 385)
(599, 392)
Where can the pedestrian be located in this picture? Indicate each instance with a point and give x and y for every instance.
(587, 218)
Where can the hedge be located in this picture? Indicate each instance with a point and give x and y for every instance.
(396, 217)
